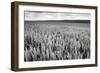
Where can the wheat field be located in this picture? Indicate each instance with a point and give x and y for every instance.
(56, 41)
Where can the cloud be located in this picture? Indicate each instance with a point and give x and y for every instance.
(36, 15)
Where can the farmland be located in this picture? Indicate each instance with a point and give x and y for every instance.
(56, 40)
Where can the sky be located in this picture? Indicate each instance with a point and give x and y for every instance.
(43, 15)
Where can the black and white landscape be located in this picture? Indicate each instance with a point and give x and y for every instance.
(56, 36)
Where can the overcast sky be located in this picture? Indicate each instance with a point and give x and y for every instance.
(38, 15)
